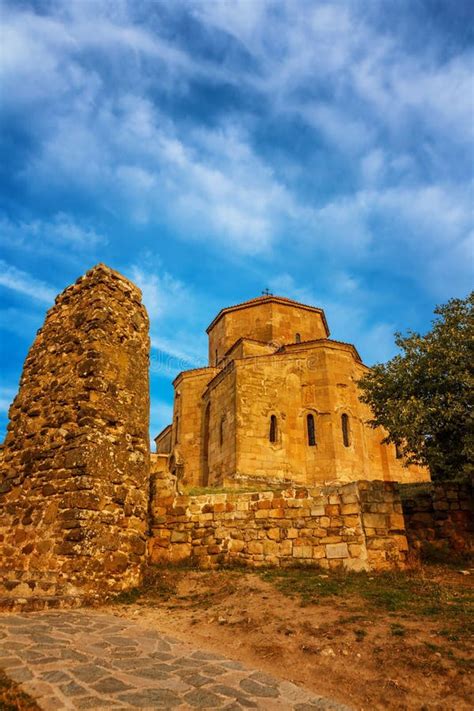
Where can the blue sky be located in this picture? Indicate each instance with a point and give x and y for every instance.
(209, 149)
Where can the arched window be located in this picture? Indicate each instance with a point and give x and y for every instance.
(297, 337)
(311, 430)
(398, 451)
(221, 431)
(273, 429)
(346, 434)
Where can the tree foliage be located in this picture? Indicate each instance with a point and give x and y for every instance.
(423, 396)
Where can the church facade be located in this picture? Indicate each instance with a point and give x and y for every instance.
(278, 402)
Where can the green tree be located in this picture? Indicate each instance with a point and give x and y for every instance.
(423, 396)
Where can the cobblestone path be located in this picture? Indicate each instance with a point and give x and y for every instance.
(86, 659)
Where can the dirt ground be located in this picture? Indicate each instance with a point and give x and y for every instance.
(388, 642)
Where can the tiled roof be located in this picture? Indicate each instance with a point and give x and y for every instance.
(193, 370)
(267, 299)
(285, 347)
(163, 432)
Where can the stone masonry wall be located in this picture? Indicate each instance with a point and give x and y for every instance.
(356, 526)
(75, 462)
(440, 515)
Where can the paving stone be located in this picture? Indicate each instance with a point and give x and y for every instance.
(88, 673)
(20, 674)
(203, 699)
(110, 685)
(87, 660)
(121, 641)
(234, 693)
(94, 702)
(55, 676)
(152, 698)
(255, 689)
(207, 656)
(263, 678)
(150, 673)
(231, 664)
(7, 662)
(163, 656)
(294, 693)
(43, 661)
(195, 679)
(73, 689)
(213, 671)
(174, 684)
(74, 655)
(130, 664)
(186, 662)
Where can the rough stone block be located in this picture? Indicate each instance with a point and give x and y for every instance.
(375, 520)
(337, 550)
(397, 521)
(353, 508)
(302, 551)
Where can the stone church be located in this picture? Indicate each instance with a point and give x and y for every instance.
(278, 402)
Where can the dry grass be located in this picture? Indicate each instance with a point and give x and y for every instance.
(12, 698)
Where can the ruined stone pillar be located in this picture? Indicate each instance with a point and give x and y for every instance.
(75, 463)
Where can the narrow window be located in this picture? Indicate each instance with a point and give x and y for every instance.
(345, 430)
(176, 438)
(398, 451)
(311, 430)
(216, 357)
(273, 428)
(221, 432)
(298, 337)
(205, 446)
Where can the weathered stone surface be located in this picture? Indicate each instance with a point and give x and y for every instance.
(440, 514)
(75, 462)
(239, 527)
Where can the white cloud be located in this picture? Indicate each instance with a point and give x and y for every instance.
(23, 283)
(210, 184)
(107, 135)
(62, 231)
(163, 295)
(348, 312)
(174, 311)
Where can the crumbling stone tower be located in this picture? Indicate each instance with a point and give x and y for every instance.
(75, 462)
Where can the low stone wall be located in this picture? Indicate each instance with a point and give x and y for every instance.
(440, 515)
(357, 526)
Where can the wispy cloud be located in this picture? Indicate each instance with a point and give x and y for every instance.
(23, 283)
(334, 67)
(326, 146)
(62, 231)
(173, 308)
